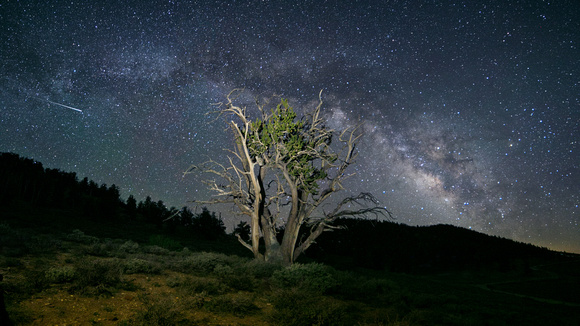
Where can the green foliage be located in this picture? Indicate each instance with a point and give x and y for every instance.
(206, 262)
(293, 307)
(156, 250)
(238, 304)
(96, 277)
(260, 268)
(35, 281)
(60, 274)
(102, 249)
(279, 128)
(79, 236)
(164, 312)
(223, 271)
(236, 278)
(292, 140)
(185, 252)
(137, 265)
(129, 247)
(313, 277)
(190, 285)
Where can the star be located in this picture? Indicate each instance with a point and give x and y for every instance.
(469, 113)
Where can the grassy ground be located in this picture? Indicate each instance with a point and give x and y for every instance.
(88, 276)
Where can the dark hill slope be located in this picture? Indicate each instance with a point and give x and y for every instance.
(438, 248)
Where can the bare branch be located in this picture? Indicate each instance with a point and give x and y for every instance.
(277, 162)
(244, 243)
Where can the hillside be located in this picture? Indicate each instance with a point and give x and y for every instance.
(423, 249)
(73, 252)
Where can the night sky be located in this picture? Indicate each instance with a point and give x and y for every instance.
(470, 112)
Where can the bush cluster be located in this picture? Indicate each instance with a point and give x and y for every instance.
(156, 250)
(191, 285)
(312, 277)
(233, 303)
(206, 262)
(164, 312)
(138, 265)
(129, 247)
(79, 236)
(96, 277)
(61, 274)
(259, 269)
(295, 307)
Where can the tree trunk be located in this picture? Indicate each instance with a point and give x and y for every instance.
(289, 240)
(274, 254)
(293, 225)
(255, 236)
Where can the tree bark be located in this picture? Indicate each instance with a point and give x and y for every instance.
(299, 155)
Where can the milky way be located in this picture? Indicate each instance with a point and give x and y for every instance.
(470, 112)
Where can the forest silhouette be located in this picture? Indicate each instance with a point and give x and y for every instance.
(25, 182)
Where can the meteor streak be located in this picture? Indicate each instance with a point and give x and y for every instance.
(64, 106)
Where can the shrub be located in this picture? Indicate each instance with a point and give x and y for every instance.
(35, 281)
(97, 276)
(156, 250)
(174, 281)
(192, 285)
(313, 277)
(137, 265)
(242, 282)
(129, 247)
(223, 271)
(105, 249)
(159, 312)
(235, 278)
(238, 304)
(259, 268)
(61, 274)
(79, 236)
(205, 262)
(295, 307)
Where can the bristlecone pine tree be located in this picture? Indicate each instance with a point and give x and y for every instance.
(280, 172)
